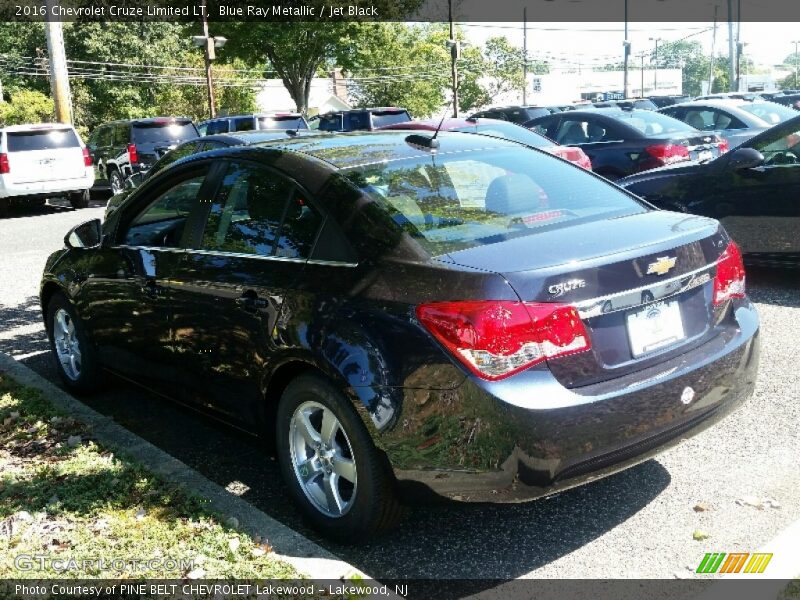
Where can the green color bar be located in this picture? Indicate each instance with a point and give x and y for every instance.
(711, 562)
(717, 563)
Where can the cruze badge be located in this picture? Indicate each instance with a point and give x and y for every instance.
(559, 289)
(662, 265)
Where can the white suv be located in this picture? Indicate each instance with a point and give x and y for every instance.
(41, 161)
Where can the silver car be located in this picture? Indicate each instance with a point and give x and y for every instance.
(734, 120)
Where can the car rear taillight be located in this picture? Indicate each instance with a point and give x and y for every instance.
(729, 281)
(132, 154)
(495, 339)
(573, 155)
(723, 146)
(667, 154)
(87, 158)
(4, 166)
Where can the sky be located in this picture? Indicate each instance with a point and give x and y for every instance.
(768, 44)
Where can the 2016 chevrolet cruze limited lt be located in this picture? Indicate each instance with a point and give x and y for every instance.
(462, 315)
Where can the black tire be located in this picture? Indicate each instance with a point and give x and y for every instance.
(88, 376)
(115, 181)
(79, 199)
(375, 507)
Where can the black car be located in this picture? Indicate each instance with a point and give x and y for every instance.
(662, 101)
(359, 119)
(622, 142)
(121, 148)
(791, 100)
(466, 316)
(515, 114)
(753, 190)
(640, 103)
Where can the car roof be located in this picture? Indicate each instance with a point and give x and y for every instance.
(346, 150)
(149, 121)
(447, 125)
(359, 110)
(35, 127)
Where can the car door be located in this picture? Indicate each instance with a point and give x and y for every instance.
(126, 299)
(760, 206)
(228, 290)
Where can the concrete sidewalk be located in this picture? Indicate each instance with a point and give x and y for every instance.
(304, 555)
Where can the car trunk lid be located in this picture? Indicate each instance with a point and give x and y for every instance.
(642, 284)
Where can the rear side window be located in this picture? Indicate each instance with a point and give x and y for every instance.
(473, 198)
(770, 112)
(260, 212)
(122, 135)
(148, 133)
(389, 117)
(245, 124)
(357, 121)
(330, 122)
(219, 126)
(282, 122)
(45, 139)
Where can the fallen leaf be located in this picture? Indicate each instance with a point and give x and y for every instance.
(699, 535)
(701, 507)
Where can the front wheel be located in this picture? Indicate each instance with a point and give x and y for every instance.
(330, 464)
(75, 357)
(79, 199)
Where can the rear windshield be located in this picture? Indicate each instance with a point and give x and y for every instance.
(510, 131)
(150, 133)
(770, 112)
(389, 117)
(44, 139)
(282, 122)
(451, 202)
(649, 122)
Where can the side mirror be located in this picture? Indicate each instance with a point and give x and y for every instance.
(745, 158)
(85, 235)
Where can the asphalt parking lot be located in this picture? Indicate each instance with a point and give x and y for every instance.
(637, 524)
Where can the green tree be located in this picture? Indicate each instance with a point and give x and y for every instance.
(686, 55)
(26, 106)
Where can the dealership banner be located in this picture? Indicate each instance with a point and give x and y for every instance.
(444, 589)
(397, 10)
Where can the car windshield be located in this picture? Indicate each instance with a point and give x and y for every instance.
(451, 202)
(509, 131)
(770, 112)
(42, 139)
(150, 133)
(282, 122)
(650, 122)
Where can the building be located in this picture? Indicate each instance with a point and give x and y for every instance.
(327, 94)
(570, 86)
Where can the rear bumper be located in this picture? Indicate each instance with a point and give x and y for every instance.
(39, 189)
(528, 436)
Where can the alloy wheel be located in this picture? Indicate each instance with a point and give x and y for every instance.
(67, 344)
(322, 459)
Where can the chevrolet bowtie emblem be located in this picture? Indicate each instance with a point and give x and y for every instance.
(662, 265)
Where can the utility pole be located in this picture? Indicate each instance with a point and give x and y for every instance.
(626, 45)
(525, 55)
(454, 54)
(59, 77)
(795, 62)
(713, 43)
(731, 74)
(208, 55)
(642, 71)
(655, 66)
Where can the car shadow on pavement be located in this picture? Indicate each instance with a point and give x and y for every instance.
(21, 328)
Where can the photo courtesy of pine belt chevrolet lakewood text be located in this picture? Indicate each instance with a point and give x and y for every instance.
(410, 313)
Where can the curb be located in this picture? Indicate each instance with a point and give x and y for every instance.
(304, 555)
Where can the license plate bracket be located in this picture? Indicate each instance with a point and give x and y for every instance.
(654, 326)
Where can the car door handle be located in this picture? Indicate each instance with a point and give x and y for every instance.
(251, 302)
